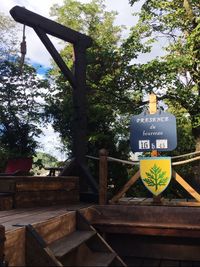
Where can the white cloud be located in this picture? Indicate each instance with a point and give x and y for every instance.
(36, 51)
(51, 143)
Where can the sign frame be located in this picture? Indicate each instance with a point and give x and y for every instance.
(153, 132)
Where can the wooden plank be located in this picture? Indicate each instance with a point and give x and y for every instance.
(15, 247)
(88, 212)
(63, 246)
(186, 186)
(8, 218)
(45, 198)
(46, 186)
(7, 185)
(148, 230)
(150, 214)
(57, 227)
(32, 19)
(124, 200)
(21, 178)
(152, 103)
(103, 176)
(98, 244)
(36, 254)
(34, 218)
(6, 202)
(165, 202)
(125, 188)
(22, 213)
(99, 259)
(55, 55)
(49, 226)
(168, 248)
(2, 240)
(10, 215)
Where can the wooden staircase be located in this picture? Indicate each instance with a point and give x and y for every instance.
(82, 247)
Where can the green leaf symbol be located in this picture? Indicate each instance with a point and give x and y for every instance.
(156, 177)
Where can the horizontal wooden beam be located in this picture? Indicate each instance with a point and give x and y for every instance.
(29, 18)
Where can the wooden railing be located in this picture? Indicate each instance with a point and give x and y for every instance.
(103, 177)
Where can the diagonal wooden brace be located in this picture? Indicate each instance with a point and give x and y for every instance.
(125, 188)
(186, 186)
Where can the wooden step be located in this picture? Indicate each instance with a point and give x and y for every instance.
(67, 243)
(99, 259)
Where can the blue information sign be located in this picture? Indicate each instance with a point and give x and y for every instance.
(153, 132)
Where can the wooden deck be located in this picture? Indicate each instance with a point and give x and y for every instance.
(52, 222)
(152, 235)
(15, 218)
(135, 201)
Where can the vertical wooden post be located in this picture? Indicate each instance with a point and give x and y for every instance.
(152, 110)
(103, 176)
(154, 153)
(152, 103)
(79, 103)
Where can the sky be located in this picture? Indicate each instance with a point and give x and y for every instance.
(35, 49)
(38, 54)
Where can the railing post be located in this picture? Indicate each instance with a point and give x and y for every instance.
(103, 176)
(154, 153)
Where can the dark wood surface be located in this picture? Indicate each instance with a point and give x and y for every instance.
(51, 222)
(13, 219)
(150, 235)
(32, 191)
(2, 240)
(69, 242)
(144, 201)
(103, 176)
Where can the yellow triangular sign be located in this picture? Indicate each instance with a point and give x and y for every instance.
(155, 173)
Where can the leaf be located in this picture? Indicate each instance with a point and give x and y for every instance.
(156, 177)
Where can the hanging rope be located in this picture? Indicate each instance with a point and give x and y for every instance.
(23, 50)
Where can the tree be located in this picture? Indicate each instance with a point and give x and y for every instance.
(178, 22)
(21, 97)
(20, 108)
(175, 76)
(106, 99)
(42, 160)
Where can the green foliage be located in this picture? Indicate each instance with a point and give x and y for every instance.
(42, 160)
(176, 75)
(156, 177)
(106, 98)
(20, 108)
